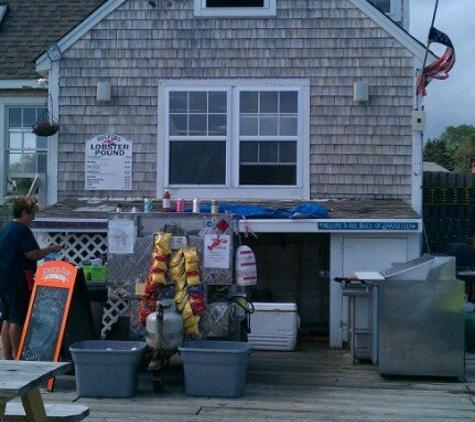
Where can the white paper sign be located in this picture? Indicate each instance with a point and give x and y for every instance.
(108, 163)
(121, 236)
(216, 252)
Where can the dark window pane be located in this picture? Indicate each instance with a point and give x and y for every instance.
(178, 102)
(287, 152)
(41, 163)
(268, 152)
(288, 102)
(217, 102)
(249, 102)
(29, 117)
(198, 102)
(14, 116)
(178, 124)
(234, 3)
(267, 175)
(198, 125)
(40, 112)
(249, 152)
(269, 102)
(383, 5)
(217, 125)
(198, 163)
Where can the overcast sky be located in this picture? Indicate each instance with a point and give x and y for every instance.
(450, 102)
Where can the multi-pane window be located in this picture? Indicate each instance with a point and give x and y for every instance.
(223, 137)
(26, 153)
(383, 5)
(198, 136)
(234, 3)
(392, 8)
(232, 8)
(268, 135)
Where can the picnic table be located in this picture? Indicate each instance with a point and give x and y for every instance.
(23, 379)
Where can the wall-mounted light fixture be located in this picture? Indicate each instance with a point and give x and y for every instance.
(103, 91)
(360, 92)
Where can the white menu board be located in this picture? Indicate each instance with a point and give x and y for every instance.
(108, 163)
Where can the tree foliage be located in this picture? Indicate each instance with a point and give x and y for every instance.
(457, 135)
(436, 151)
(464, 155)
(454, 149)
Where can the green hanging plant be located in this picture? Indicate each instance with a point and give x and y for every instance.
(46, 124)
(45, 128)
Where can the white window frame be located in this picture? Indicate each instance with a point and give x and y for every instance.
(5, 104)
(395, 10)
(232, 189)
(269, 9)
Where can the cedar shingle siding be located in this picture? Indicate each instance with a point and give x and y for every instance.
(357, 150)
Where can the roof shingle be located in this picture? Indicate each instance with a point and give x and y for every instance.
(29, 27)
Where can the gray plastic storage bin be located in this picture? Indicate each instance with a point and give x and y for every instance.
(107, 368)
(215, 368)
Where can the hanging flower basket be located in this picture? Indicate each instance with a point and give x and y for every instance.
(45, 128)
(46, 125)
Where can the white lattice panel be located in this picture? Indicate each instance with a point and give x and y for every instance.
(115, 307)
(76, 246)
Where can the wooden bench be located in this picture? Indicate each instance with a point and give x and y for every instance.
(64, 412)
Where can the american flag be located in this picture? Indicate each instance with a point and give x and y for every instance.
(440, 68)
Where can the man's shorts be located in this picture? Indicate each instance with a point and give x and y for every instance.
(15, 298)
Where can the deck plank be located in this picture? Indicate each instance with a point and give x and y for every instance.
(314, 383)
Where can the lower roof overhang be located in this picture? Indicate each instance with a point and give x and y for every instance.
(344, 216)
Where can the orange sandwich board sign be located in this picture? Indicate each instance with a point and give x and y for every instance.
(47, 315)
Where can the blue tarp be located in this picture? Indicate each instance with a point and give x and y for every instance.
(254, 211)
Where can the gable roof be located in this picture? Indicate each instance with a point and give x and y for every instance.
(30, 27)
(417, 48)
(394, 29)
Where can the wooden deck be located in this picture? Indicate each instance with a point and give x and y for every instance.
(313, 383)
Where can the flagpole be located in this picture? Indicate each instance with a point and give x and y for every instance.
(431, 25)
(426, 55)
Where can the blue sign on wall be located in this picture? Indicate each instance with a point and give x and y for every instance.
(368, 226)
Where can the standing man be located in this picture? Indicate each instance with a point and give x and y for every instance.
(19, 252)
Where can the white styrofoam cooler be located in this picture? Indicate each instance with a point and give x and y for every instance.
(274, 326)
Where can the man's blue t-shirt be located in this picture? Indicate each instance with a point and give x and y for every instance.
(15, 240)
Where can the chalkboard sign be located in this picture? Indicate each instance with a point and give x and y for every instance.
(58, 305)
(44, 325)
(48, 312)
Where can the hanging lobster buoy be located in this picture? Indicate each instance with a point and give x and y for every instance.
(246, 272)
